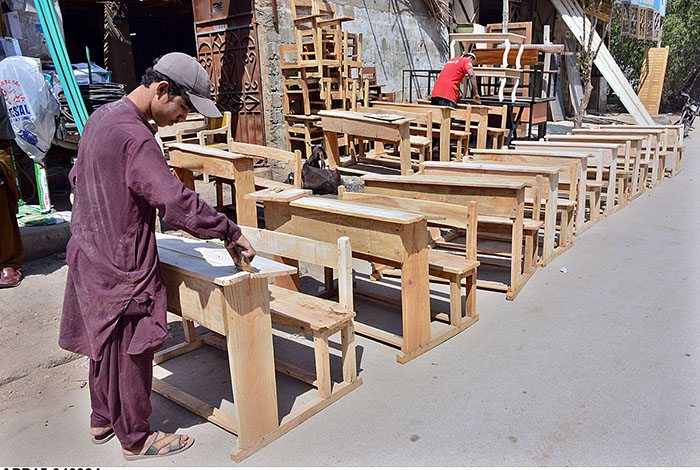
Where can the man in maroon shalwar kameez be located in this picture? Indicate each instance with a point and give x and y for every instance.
(114, 309)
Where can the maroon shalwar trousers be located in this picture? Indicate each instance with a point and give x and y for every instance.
(120, 387)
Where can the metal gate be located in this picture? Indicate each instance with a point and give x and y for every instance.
(227, 47)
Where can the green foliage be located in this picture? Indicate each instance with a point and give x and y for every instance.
(681, 32)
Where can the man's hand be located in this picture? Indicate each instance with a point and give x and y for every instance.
(477, 99)
(241, 247)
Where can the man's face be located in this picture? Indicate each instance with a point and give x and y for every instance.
(165, 110)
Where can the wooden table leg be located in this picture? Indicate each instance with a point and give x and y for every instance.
(186, 176)
(244, 176)
(405, 150)
(332, 150)
(415, 291)
(251, 359)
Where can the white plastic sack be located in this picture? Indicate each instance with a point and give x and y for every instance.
(30, 105)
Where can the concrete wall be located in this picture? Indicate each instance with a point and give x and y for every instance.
(397, 35)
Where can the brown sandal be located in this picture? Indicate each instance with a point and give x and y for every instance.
(172, 441)
(10, 278)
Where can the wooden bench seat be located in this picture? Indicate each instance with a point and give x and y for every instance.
(306, 313)
(311, 316)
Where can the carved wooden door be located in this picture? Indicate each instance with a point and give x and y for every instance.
(227, 47)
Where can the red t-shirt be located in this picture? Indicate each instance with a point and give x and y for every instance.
(447, 84)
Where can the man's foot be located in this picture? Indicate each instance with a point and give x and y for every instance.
(10, 277)
(100, 435)
(160, 444)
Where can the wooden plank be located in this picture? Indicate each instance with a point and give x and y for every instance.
(286, 195)
(196, 406)
(292, 246)
(496, 200)
(358, 210)
(295, 308)
(201, 150)
(252, 365)
(211, 262)
(309, 221)
(651, 82)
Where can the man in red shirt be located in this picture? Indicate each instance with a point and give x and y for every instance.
(446, 88)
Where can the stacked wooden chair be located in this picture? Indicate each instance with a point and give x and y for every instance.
(322, 70)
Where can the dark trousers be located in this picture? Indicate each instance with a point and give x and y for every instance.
(11, 248)
(437, 101)
(120, 388)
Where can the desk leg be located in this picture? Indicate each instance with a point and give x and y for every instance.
(415, 291)
(251, 359)
(186, 176)
(405, 150)
(244, 176)
(445, 139)
(331, 140)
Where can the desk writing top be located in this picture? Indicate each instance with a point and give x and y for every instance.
(445, 181)
(593, 138)
(352, 209)
(206, 151)
(211, 262)
(360, 117)
(492, 166)
(537, 153)
(554, 144)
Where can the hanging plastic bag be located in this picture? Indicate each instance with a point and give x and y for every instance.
(31, 106)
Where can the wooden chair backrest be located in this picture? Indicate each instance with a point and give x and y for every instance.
(216, 126)
(337, 256)
(287, 51)
(324, 8)
(261, 151)
(370, 74)
(455, 216)
(302, 8)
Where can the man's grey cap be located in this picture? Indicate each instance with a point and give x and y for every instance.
(191, 76)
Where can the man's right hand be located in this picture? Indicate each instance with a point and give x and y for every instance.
(477, 99)
(242, 246)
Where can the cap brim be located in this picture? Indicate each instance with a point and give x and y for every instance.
(205, 106)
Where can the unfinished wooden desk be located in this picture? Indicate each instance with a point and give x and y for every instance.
(203, 285)
(654, 146)
(577, 186)
(614, 191)
(635, 146)
(674, 140)
(501, 199)
(185, 159)
(549, 191)
(358, 125)
(389, 236)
